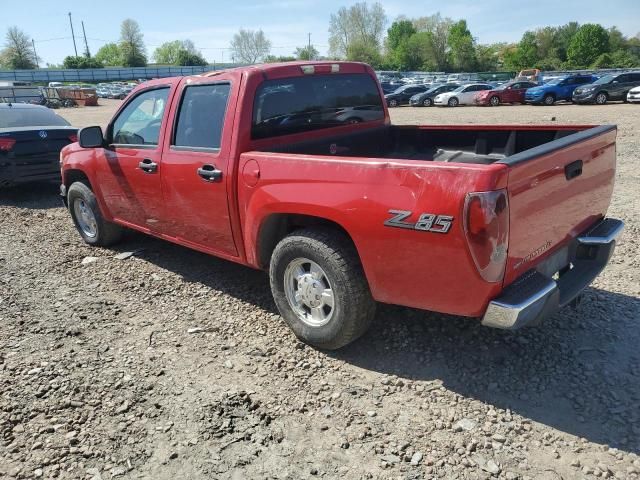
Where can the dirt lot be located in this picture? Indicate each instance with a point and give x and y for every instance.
(170, 364)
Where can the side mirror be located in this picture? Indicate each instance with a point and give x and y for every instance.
(90, 137)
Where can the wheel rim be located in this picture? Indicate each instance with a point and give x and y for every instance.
(601, 98)
(393, 103)
(548, 100)
(427, 102)
(495, 101)
(309, 292)
(453, 102)
(85, 218)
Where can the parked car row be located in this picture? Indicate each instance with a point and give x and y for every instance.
(117, 90)
(576, 88)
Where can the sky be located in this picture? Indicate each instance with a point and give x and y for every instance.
(210, 24)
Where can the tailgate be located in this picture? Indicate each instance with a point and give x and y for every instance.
(556, 191)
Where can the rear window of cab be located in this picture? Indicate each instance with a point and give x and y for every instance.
(300, 104)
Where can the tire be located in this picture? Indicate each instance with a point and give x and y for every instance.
(601, 98)
(352, 306)
(549, 100)
(353, 120)
(427, 102)
(453, 102)
(393, 103)
(494, 101)
(91, 225)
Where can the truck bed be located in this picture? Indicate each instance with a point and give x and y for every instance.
(458, 144)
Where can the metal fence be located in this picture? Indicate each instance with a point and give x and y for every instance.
(103, 74)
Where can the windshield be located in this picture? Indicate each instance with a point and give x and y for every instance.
(302, 104)
(604, 80)
(30, 117)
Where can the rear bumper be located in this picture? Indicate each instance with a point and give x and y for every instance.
(536, 295)
(31, 170)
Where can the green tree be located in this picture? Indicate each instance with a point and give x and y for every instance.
(110, 55)
(524, 55)
(439, 28)
(415, 53)
(358, 28)
(81, 62)
(250, 46)
(398, 33)
(461, 45)
(488, 57)
(17, 52)
(178, 52)
(308, 52)
(279, 59)
(564, 36)
(590, 41)
(359, 51)
(132, 44)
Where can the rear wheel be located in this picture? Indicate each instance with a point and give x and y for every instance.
(601, 98)
(393, 103)
(549, 99)
(88, 219)
(453, 102)
(427, 102)
(320, 289)
(494, 101)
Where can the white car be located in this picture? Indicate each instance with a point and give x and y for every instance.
(463, 95)
(634, 95)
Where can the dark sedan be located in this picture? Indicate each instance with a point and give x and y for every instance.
(425, 99)
(610, 87)
(402, 95)
(31, 137)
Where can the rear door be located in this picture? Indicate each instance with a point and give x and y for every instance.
(196, 174)
(556, 191)
(620, 86)
(129, 169)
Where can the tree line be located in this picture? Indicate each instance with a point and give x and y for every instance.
(360, 33)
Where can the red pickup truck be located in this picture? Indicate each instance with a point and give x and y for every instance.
(296, 169)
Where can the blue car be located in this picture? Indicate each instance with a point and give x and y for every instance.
(557, 89)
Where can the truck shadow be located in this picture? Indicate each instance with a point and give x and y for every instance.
(34, 196)
(578, 372)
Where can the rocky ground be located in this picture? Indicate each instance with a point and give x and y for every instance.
(152, 361)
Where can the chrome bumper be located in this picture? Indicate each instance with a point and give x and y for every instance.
(536, 296)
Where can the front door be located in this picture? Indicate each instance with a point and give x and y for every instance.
(196, 165)
(129, 169)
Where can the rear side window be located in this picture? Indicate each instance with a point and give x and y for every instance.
(30, 117)
(312, 102)
(635, 77)
(201, 116)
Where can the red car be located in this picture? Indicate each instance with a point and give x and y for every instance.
(512, 92)
(259, 165)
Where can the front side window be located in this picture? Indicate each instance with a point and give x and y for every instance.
(139, 122)
(301, 104)
(201, 116)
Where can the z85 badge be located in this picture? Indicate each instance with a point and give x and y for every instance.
(427, 222)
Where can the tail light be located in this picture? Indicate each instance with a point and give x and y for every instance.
(6, 144)
(73, 138)
(486, 225)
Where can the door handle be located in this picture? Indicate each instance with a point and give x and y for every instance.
(148, 166)
(573, 170)
(210, 173)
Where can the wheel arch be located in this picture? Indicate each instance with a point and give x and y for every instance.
(276, 226)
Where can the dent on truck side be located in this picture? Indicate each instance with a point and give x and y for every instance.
(420, 269)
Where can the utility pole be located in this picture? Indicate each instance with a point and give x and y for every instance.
(35, 53)
(72, 35)
(309, 48)
(87, 53)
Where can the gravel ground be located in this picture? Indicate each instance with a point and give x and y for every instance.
(170, 364)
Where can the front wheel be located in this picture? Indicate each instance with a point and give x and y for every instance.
(320, 288)
(494, 101)
(427, 102)
(549, 100)
(453, 102)
(601, 98)
(88, 219)
(393, 103)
